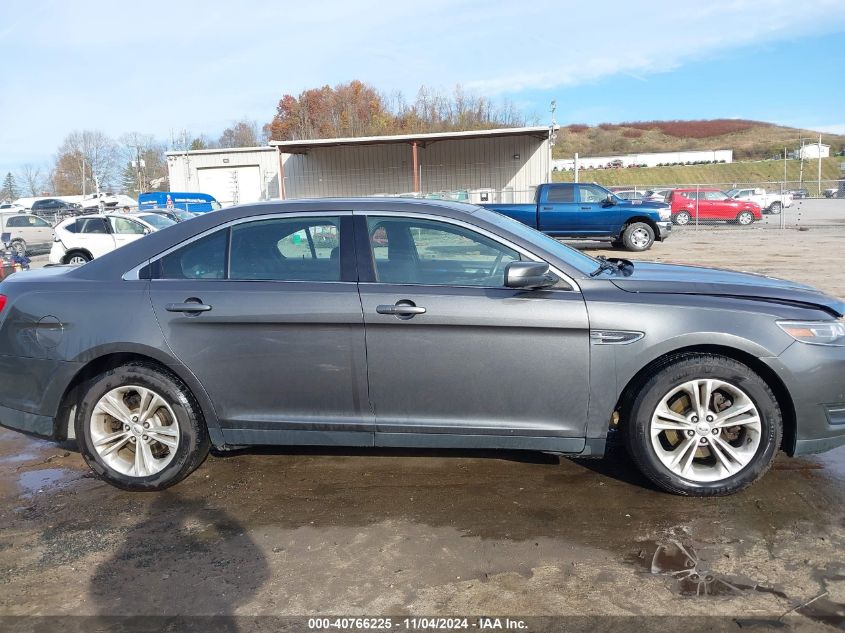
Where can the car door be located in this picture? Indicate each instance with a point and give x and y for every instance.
(558, 210)
(93, 235)
(126, 230)
(596, 216)
(266, 314)
(454, 357)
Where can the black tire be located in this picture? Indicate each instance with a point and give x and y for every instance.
(745, 218)
(681, 218)
(194, 443)
(76, 254)
(638, 237)
(19, 246)
(675, 371)
(775, 208)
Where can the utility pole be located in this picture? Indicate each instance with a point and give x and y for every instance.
(576, 166)
(820, 165)
(553, 128)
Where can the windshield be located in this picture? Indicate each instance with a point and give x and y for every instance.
(575, 258)
(731, 193)
(158, 221)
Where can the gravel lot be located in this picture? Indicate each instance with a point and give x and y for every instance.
(313, 531)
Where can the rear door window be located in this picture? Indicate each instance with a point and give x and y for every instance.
(91, 225)
(560, 194)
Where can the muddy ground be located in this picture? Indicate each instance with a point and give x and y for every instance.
(312, 531)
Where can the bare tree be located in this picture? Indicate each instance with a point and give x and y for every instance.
(241, 134)
(32, 179)
(87, 160)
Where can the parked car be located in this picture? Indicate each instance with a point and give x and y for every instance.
(81, 239)
(102, 201)
(11, 206)
(158, 220)
(27, 232)
(466, 329)
(799, 193)
(629, 194)
(768, 202)
(177, 215)
(709, 205)
(189, 201)
(658, 195)
(589, 211)
(831, 193)
(55, 208)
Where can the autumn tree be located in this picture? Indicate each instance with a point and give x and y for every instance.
(9, 191)
(356, 109)
(241, 134)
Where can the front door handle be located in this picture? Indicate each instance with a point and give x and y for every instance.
(401, 309)
(586, 208)
(188, 306)
(548, 208)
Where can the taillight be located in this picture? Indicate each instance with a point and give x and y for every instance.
(2, 302)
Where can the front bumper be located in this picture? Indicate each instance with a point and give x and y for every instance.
(663, 229)
(814, 375)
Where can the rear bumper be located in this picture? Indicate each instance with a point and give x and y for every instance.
(664, 229)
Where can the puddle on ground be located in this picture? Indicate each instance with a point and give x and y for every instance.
(16, 458)
(36, 481)
(693, 575)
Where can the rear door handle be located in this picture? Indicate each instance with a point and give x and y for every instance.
(586, 208)
(400, 310)
(187, 306)
(548, 208)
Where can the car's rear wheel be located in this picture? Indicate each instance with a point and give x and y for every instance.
(140, 428)
(775, 208)
(638, 236)
(681, 218)
(19, 246)
(77, 258)
(745, 218)
(703, 425)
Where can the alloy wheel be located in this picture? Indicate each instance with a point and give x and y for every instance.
(134, 431)
(705, 430)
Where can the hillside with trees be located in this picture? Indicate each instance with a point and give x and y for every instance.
(749, 140)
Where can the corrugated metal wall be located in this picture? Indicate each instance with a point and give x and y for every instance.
(182, 168)
(513, 165)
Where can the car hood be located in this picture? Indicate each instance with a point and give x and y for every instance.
(680, 279)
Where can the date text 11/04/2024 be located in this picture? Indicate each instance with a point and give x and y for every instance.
(418, 624)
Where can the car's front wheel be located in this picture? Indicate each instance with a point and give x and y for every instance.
(638, 236)
(140, 428)
(775, 208)
(703, 425)
(745, 218)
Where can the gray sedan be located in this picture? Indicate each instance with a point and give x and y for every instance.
(409, 323)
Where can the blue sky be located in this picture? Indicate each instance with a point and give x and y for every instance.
(158, 66)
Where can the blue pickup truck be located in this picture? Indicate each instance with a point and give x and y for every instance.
(589, 211)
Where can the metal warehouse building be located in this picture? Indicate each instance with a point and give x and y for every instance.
(233, 176)
(499, 165)
(484, 165)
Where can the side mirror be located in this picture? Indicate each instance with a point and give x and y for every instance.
(529, 275)
(146, 231)
(610, 199)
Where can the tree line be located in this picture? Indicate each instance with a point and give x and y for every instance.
(89, 160)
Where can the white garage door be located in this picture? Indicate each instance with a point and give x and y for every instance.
(231, 185)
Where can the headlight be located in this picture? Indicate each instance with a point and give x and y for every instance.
(815, 332)
(665, 214)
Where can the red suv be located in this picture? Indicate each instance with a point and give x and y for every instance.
(711, 204)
